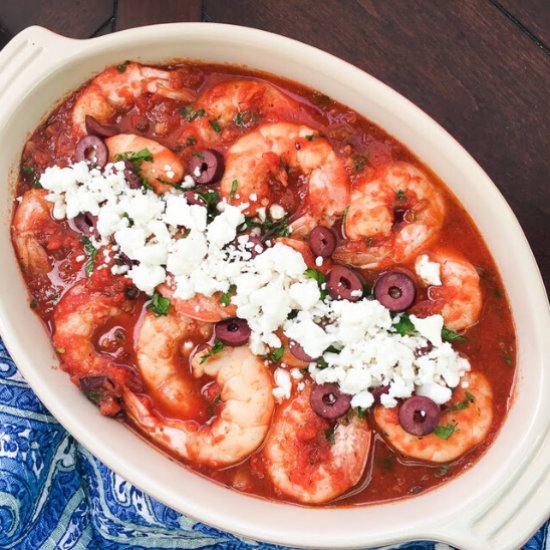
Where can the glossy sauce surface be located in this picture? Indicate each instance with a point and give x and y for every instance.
(490, 344)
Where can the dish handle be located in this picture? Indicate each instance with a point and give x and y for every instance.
(500, 524)
(29, 56)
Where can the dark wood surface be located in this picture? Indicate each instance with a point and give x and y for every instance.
(481, 68)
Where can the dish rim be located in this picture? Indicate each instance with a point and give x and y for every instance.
(62, 57)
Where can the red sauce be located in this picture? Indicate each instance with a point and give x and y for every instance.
(490, 345)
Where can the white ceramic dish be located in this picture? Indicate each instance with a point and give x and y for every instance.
(497, 504)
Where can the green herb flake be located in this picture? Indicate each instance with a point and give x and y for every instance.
(404, 325)
(444, 432)
(119, 335)
(361, 413)
(369, 242)
(451, 336)
(304, 370)
(93, 396)
(218, 400)
(507, 358)
(190, 141)
(225, 299)
(345, 215)
(36, 185)
(198, 155)
(311, 137)
(442, 471)
(276, 354)
(234, 187)
(92, 251)
(215, 126)
(123, 66)
(191, 116)
(159, 305)
(27, 170)
(400, 195)
(210, 197)
(321, 363)
(34, 303)
(463, 404)
(329, 434)
(314, 274)
(359, 163)
(245, 119)
(136, 156)
(216, 348)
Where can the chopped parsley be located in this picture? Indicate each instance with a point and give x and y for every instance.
(234, 187)
(369, 242)
(359, 163)
(304, 370)
(190, 141)
(276, 354)
(136, 156)
(159, 305)
(442, 471)
(217, 400)
(316, 275)
(404, 326)
(225, 298)
(192, 115)
(27, 170)
(215, 126)
(400, 195)
(92, 251)
(329, 434)
(345, 215)
(463, 404)
(198, 155)
(507, 358)
(451, 336)
(34, 303)
(93, 396)
(311, 137)
(123, 66)
(321, 363)
(245, 119)
(216, 348)
(444, 432)
(361, 413)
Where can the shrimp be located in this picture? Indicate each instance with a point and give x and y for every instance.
(116, 89)
(158, 346)
(200, 307)
(301, 462)
(465, 421)
(76, 318)
(162, 171)
(459, 297)
(375, 240)
(239, 428)
(35, 233)
(260, 162)
(243, 103)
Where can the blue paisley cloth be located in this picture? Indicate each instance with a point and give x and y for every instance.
(56, 495)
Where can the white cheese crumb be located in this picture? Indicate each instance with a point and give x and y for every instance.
(319, 261)
(283, 385)
(429, 327)
(277, 212)
(429, 272)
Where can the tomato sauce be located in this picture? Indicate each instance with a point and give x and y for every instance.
(490, 344)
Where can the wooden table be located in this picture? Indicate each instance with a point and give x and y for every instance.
(481, 68)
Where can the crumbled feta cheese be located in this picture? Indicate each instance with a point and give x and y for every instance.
(429, 327)
(277, 212)
(356, 342)
(283, 385)
(429, 272)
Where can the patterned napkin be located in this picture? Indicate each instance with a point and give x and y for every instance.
(56, 495)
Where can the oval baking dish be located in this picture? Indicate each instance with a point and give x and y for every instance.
(498, 503)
